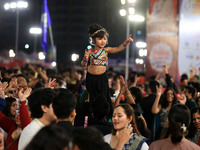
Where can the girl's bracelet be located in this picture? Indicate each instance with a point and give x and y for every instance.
(85, 59)
(128, 95)
(121, 92)
(126, 43)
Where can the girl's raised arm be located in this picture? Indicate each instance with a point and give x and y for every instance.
(121, 47)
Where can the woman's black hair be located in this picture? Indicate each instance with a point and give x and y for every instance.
(179, 118)
(136, 92)
(50, 137)
(93, 28)
(192, 129)
(140, 122)
(6, 110)
(164, 102)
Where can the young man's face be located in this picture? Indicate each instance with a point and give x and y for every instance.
(21, 82)
(50, 115)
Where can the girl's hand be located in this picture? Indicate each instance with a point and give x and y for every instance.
(24, 94)
(125, 135)
(182, 99)
(50, 83)
(86, 55)
(123, 84)
(128, 40)
(2, 89)
(159, 91)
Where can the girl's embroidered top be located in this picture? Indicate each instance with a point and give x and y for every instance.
(99, 57)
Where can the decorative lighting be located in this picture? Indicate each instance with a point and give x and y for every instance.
(74, 57)
(137, 18)
(141, 44)
(131, 1)
(123, 2)
(131, 10)
(6, 6)
(122, 12)
(139, 61)
(26, 46)
(14, 5)
(35, 30)
(53, 64)
(41, 56)
(142, 52)
(11, 53)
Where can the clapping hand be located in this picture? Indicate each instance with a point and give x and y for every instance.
(23, 94)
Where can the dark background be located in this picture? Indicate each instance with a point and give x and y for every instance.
(70, 22)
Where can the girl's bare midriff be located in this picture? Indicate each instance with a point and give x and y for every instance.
(96, 70)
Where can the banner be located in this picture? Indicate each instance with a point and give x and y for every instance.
(162, 37)
(189, 38)
(51, 54)
(45, 23)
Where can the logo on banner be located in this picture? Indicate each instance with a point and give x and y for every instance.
(160, 54)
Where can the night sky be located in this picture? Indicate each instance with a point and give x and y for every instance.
(70, 21)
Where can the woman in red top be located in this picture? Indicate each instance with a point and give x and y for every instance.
(14, 126)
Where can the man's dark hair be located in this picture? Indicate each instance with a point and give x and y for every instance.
(184, 76)
(9, 71)
(51, 137)
(38, 98)
(152, 86)
(191, 90)
(100, 108)
(137, 93)
(89, 139)
(22, 75)
(64, 103)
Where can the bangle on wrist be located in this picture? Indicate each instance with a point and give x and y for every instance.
(126, 43)
(121, 92)
(128, 95)
(85, 59)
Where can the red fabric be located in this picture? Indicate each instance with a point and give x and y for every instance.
(9, 126)
(24, 115)
(199, 141)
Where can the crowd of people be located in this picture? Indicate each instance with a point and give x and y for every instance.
(95, 108)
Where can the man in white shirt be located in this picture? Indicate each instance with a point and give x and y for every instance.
(40, 105)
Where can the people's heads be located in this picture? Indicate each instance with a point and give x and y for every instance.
(1, 141)
(136, 93)
(40, 104)
(195, 78)
(179, 120)
(22, 81)
(58, 83)
(100, 108)
(195, 115)
(88, 139)
(122, 116)
(98, 35)
(11, 107)
(153, 86)
(17, 71)
(198, 101)
(64, 104)
(8, 73)
(31, 74)
(169, 96)
(50, 137)
(184, 80)
(189, 92)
